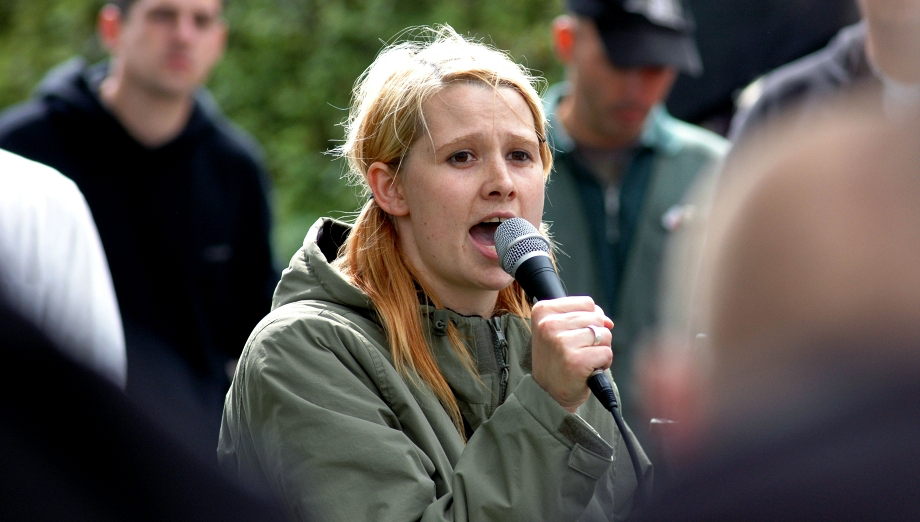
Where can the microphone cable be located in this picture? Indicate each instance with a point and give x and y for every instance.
(603, 391)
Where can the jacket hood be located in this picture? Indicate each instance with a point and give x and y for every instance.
(311, 276)
(70, 90)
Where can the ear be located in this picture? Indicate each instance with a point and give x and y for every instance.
(387, 190)
(564, 28)
(108, 24)
(223, 38)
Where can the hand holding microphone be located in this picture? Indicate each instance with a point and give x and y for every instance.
(568, 346)
(571, 335)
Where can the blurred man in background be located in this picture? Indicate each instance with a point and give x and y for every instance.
(177, 192)
(622, 164)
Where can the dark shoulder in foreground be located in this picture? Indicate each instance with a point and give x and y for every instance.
(100, 457)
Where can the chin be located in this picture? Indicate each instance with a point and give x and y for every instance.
(499, 282)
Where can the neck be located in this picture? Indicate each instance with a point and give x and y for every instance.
(150, 118)
(481, 303)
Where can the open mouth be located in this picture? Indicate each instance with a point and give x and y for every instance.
(484, 233)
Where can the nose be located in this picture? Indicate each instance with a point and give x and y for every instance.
(635, 82)
(185, 27)
(499, 183)
(648, 83)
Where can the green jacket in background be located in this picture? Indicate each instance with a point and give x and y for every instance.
(318, 413)
(621, 268)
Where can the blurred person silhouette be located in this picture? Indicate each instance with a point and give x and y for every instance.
(799, 401)
(879, 54)
(622, 163)
(79, 449)
(403, 374)
(53, 268)
(178, 194)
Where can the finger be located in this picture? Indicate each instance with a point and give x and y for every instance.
(598, 335)
(560, 323)
(578, 319)
(606, 321)
(592, 358)
(584, 336)
(573, 303)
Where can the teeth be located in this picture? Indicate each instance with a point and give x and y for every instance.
(494, 220)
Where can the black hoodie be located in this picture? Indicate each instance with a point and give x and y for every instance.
(185, 226)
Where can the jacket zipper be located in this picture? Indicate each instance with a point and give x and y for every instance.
(500, 344)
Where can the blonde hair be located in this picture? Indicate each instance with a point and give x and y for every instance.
(385, 119)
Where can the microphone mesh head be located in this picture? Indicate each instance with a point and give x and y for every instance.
(516, 238)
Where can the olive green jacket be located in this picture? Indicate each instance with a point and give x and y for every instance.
(318, 413)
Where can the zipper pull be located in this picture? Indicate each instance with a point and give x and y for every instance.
(501, 351)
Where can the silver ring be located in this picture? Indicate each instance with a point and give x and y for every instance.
(596, 330)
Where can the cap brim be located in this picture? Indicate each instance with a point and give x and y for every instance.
(640, 46)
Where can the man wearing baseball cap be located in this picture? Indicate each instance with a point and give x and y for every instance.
(622, 163)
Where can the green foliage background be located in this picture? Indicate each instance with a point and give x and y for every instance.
(287, 74)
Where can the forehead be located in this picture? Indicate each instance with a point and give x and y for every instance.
(210, 6)
(465, 107)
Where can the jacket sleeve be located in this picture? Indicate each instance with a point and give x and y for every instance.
(321, 415)
(530, 461)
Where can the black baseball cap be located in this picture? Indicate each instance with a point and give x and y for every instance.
(639, 33)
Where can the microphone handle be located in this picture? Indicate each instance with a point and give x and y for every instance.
(537, 276)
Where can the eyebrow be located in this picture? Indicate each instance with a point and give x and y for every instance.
(459, 140)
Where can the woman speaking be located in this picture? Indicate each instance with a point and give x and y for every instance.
(402, 373)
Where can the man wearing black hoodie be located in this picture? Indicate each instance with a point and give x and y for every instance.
(177, 192)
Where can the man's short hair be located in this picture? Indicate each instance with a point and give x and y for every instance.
(125, 5)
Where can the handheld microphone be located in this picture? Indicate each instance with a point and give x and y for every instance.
(524, 254)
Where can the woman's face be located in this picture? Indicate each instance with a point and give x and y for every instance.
(480, 164)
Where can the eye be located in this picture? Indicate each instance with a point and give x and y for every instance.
(204, 21)
(461, 158)
(520, 156)
(163, 15)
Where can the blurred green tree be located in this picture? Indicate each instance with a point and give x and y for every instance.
(287, 74)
